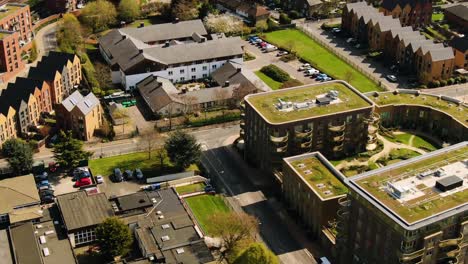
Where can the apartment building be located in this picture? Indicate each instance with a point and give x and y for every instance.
(403, 46)
(81, 114)
(329, 117)
(414, 211)
(7, 123)
(460, 48)
(136, 53)
(10, 55)
(414, 13)
(17, 17)
(61, 71)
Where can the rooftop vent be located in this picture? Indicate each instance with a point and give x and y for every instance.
(165, 226)
(161, 217)
(321, 185)
(301, 165)
(46, 252)
(165, 238)
(327, 192)
(180, 250)
(158, 212)
(307, 172)
(49, 232)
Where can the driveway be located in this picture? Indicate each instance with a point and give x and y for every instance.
(118, 188)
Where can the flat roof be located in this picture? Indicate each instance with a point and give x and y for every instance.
(450, 106)
(60, 249)
(5, 249)
(9, 9)
(415, 178)
(266, 103)
(24, 244)
(80, 209)
(319, 174)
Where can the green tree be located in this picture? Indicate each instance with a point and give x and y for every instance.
(19, 155)
(68, 151)
(256, 253)
(129, 10)
(182, 149)
(99, 15)
(184, 9)
(114, 237)
(69, 35)
(33, 52)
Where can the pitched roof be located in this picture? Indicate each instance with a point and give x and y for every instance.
(48, 66)
(460, 44)
(80, 210)
(157, 92)
(391, 4)
(17, 191)
(72, 100)
(84, 104)
(441, 54)
(18, 92)
(460, 11)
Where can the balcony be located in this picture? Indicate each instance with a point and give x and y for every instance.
(344, 201)
(242, 105)
(371, 139)
(279, 139)
(242, 115)
(451, 241)
(282, 149)
(303, 134)
(372, 130)
(242, 124)
(374, 119)
(338, 148)
(338, 138)
(242, 133)
(306, 144)
(337, 128)
(410, 256)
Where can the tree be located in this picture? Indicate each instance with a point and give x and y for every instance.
(69, 35)
(68, 151)
(19, 155)
(161, 154)
(256, 253)
(129, 10)
(223, 24)
(221, 96)
(184, 9)
(33, 52)
(233, 228)
(148, 139)
(121, 114)
(114, 237)
(182, 149)
(104, 73)
(99, 15)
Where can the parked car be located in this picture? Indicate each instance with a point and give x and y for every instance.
(351, 40)
(46, 192)
(336, 30)
(321, 76)
(128, 174)
(304, 67)
(48, 199)
(99, 179)
(281, 53)
(43, 183)
(269, 48)
(326, 79)
(358, 46)
(41, 177)
(311, 71)
(138, 174)
(314, 75)
(250, 38)
(82, 182)
(46, 187)
(53, 166)
(117, 175)
(391, 78)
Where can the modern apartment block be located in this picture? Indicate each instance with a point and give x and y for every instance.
(414, 13)
(329, 117)
(136, 53)
(81, 114)
(414, 211)
(403, 46)
(17, 17)
(62, 72)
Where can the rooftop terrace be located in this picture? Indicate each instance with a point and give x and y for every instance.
(450, 107)
(319, 176)
(266, 103)
(417, 178)
(8, 9)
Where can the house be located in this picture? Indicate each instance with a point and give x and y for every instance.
(253, 12)
(61, 6)
(20, 200)
(457, 15)
(7, 123)
(307, 8)
(414, 13)
(81, 213)
(136, 53)
(460, 48)
(81, 114)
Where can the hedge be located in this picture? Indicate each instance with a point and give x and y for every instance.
(228, 117)
(275, 73)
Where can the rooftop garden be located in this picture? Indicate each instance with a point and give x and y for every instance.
(319, 175)
(265, 102)
(421, 207)
(458, 112)
(9, 10)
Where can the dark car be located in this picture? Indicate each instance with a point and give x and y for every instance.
(138, 174)
(41, 177)
(117, 175)
(46, 192)
(47, 199)
(391, 78)
(128, 174)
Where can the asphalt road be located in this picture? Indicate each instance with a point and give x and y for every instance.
(240, 183)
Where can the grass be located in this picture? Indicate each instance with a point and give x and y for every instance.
(191, 188)
(437, 17)
(412, 140)
(421, 143)
(274, 85)
(248, 56)
(433, 202)
(319, 56)
(460, 113)
(435, 33)
(149, 167)
(265, 102)
(205, 206)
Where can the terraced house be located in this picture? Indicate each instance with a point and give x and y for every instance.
(414, 13)
(403, 46)
(415, 211)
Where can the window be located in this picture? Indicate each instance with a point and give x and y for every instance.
(4, 218)
(205, 68)
(214, 66)
(170, 73)
(194, 77)
(193, 69)
(182, 71)
(182, 79)
(205, 75)
(85, 236)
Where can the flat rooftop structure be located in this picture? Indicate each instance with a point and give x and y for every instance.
(450, 106)
(304, 102)
(56, 243)
(406, 191)
(25, 247)
(9, 9)
(319, 174)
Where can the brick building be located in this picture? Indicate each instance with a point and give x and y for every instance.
(414, 13)
(457, 15)
(460, 48)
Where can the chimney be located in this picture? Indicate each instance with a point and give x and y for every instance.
(226, 84)
(124, 37)
(140, 51)
(166, 44)
(142, 24)
(239, 69)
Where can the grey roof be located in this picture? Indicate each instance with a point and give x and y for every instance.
(213, 94)
(71, 101)
(460, 11)
(25, 246)
(314, 2)
(441, 54)
(447, 181)
(5, 250)
(84, 103)
(167, 31)
(230, 71)
(80, 210)
(460, 44)
(157, 92)
(58, 244)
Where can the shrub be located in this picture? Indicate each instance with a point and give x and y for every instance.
(90, 74)
(450, 81)
(284, 19)
(422, 86)
(272, 25)
(291, 83)
(294, 14)
(458, 79)
(288, 57)
(434, 84)
(443, 83)
(275, 73)
(463, 79)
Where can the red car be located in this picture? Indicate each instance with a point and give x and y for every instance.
(82, 182)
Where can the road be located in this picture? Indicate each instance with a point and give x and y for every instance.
(46, 39)
(241, 184)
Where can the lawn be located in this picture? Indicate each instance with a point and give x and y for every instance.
(196, 187)
(320, 57)
(274, 85)
(437, 16)
(149, 167)
(204, 206)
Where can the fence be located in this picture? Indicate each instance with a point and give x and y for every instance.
(335, 51)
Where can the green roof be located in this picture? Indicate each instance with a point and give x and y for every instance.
(265, 103)
(9, 10)
(460, 113)
(423, 206)
(317, 175)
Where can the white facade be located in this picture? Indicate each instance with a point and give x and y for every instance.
(176, 74)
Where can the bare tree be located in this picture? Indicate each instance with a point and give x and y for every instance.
(242, 90)
(161, 155)
(233, 228)
(149, 141)
(121, 114)
(221, 96)
(189, 102)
